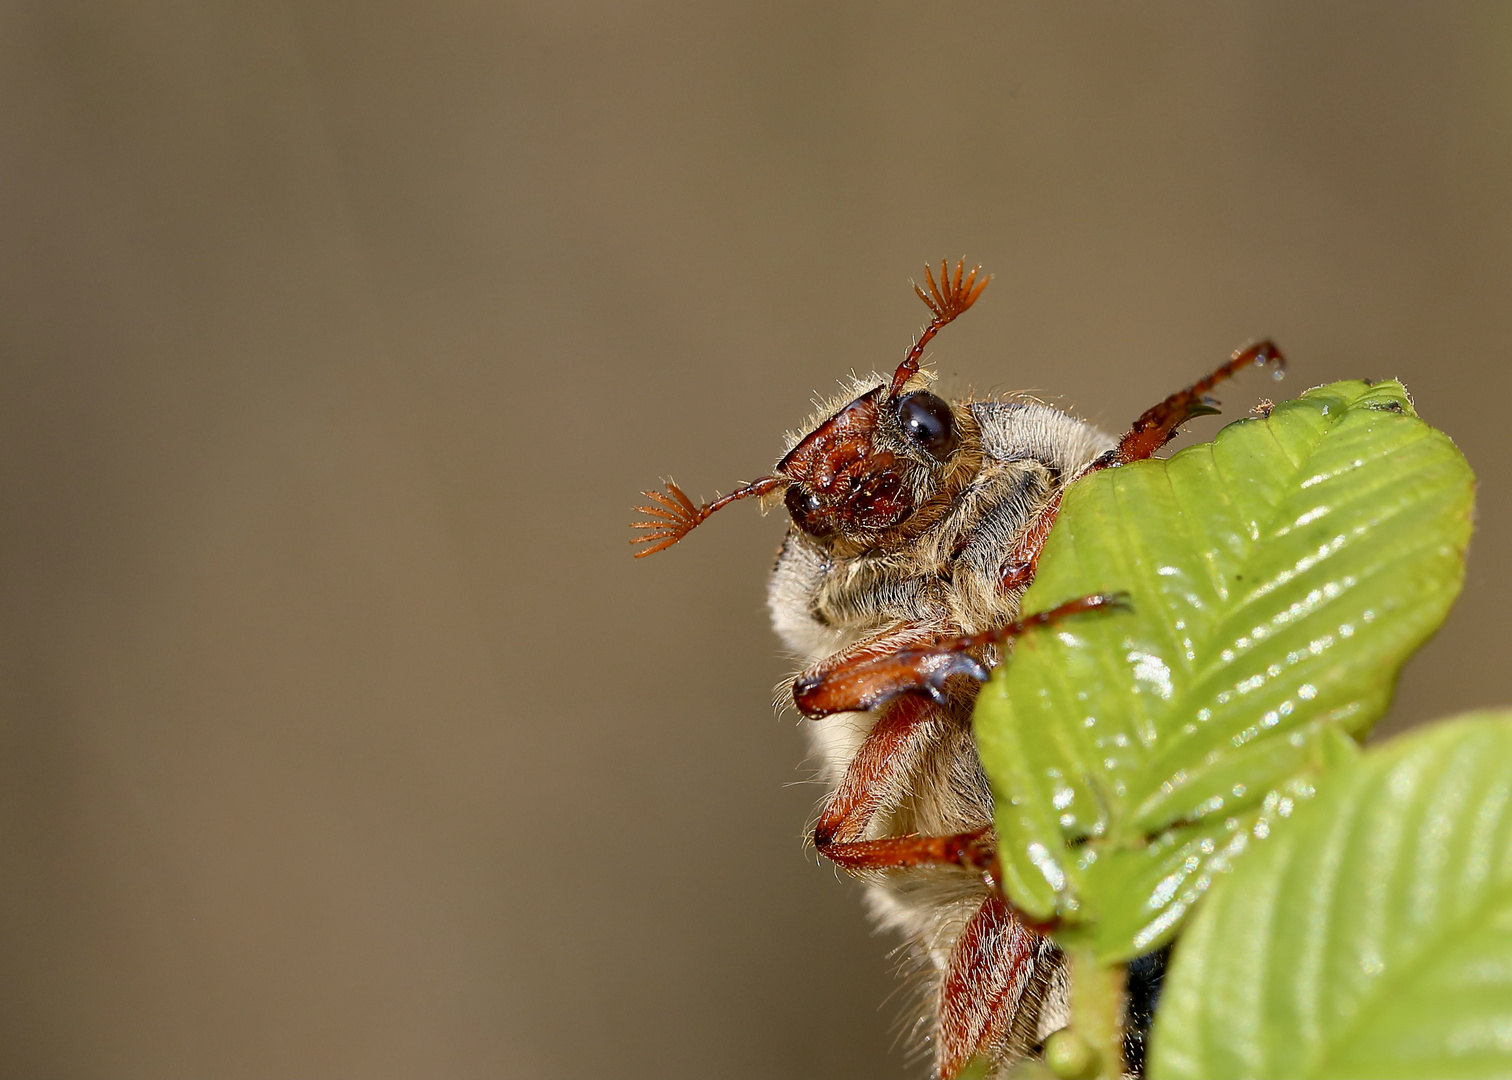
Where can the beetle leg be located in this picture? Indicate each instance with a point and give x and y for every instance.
(878, 773)
(970, 850)
(864, 675)
(923, 669)
(997, 954)
(913, 659)
(989, 971)
(1149, 433)
(1018, 571)
(1158, 425)
(877, 777)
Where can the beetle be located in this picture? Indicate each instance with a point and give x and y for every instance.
(916, 526)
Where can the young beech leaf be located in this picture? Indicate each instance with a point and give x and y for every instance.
(1277, 578)
(1370, 936)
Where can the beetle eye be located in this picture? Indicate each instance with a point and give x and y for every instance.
(928, 424)
(801, 503)
(804, 506)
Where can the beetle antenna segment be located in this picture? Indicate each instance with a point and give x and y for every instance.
(945, 301)
(673, 515)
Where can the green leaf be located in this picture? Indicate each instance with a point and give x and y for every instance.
(1371, 936)
(1278, 578)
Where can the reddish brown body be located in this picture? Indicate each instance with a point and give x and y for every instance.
(917, 525)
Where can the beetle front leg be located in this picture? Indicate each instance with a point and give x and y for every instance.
(1018, 571)
(1158, 426)
(1154, 428)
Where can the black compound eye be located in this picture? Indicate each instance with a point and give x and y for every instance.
(928, 424)
(803, 506)
(801, 503)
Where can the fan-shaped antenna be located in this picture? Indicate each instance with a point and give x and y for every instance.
(945, 301)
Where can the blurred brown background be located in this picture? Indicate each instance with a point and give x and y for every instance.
(341, 736)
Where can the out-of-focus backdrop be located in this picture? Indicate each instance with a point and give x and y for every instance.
(339, 734)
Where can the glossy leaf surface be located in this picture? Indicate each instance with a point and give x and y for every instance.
(1371, 936)
(1278, 577)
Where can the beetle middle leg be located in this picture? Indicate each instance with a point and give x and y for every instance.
(914, 659)
(877, 777)
(867, 674)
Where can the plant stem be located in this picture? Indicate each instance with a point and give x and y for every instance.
(1097, 1009)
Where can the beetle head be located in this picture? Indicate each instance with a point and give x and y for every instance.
(867, 467)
